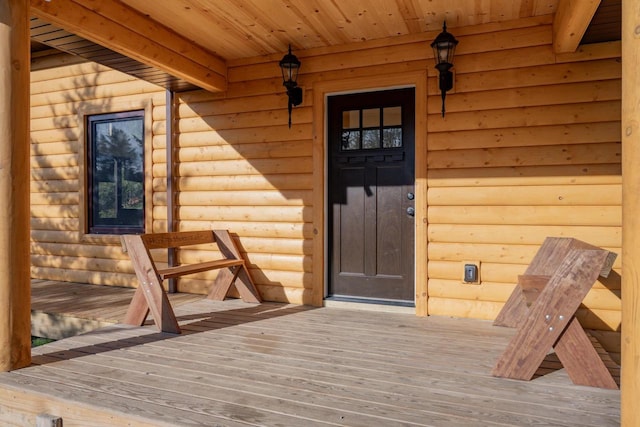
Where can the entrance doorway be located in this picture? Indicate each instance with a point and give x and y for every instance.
(371, 196)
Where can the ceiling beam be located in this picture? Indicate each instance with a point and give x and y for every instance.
(120, 28)
(571, 21)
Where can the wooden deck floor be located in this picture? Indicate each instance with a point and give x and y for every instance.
(240, 364)
(64, 309)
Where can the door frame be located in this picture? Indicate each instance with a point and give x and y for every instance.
(321, 91)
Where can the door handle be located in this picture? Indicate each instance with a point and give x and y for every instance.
(411, 211)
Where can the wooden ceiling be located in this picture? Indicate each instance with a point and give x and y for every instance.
(606, 24)
(235, 29)
(196, 40)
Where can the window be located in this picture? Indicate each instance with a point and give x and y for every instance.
(115, 173)
(372, 128)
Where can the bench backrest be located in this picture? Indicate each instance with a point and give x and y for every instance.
(177, 239)
(553, 251)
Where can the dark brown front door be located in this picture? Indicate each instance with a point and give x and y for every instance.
(371, 177)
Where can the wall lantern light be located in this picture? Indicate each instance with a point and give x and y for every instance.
(443, 48)
(290, 65)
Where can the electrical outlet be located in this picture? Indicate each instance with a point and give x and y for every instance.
(471, 272)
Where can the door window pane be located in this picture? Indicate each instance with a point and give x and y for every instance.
(371, 139)
(351, 119)
(351, 140)
(392, 138)
(392, 116)
(371, 118)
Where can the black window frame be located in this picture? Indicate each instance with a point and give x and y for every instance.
(92, 198)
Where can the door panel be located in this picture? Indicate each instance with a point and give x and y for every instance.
(371, 176)
(350, 227)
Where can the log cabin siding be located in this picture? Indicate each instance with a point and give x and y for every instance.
(239, 167)
(524, 153)
(59, 249)
(529, 148)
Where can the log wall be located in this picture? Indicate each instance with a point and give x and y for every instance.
(525, 152)
(59, 96)
(529, 148)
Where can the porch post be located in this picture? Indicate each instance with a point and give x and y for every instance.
(630, 372)
(15, 286)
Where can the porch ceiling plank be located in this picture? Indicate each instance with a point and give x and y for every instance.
(116, 11)
(230, 28)
(570, 23)
(114, 25)
(240, 29)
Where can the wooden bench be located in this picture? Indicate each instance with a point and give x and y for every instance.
(542, 308)
(151, 296)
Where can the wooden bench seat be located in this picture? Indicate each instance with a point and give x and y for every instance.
(151, 296)
(182, 270)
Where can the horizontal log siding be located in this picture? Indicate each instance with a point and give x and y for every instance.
(529, 148)
(240, 167)
(524, 152)
(58, 251)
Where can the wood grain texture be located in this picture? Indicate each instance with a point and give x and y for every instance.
(630, 381)
(539, 120)
(581, 359)
(150, 295)
(263, 365)
(550, 322)
(131, 34)
(571, 22)
(14, 186)
(149, 290)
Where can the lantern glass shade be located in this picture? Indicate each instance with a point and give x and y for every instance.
(290, 65)
(443, 52)
(444, 47)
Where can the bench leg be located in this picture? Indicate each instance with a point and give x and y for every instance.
(581, 360)
(226, 277)
(151, 289)
(245, 286)
(223, 282)
(138, 309)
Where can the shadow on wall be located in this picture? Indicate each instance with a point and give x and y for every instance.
(241, 168)
(58, 175)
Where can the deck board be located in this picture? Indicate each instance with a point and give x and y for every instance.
(272, 364)
(63, 309)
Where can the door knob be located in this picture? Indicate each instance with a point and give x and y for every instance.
(411, 211)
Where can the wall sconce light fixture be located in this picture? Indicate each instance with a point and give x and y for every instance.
(290, 65)
(443, 48)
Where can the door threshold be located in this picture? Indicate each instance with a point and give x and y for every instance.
(366, 305)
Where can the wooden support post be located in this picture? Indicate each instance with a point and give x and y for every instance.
(630, 369)
(15, 285)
